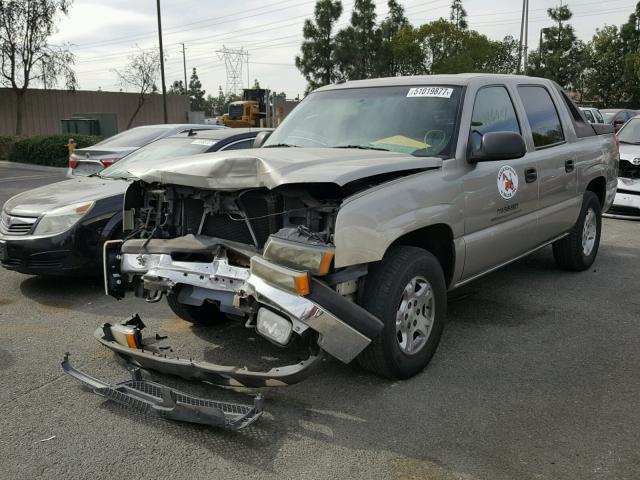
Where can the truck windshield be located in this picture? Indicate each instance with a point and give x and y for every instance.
(418, 120)
(630, 133)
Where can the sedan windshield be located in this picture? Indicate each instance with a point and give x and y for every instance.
(151, 154)
(416, 120)
(630, 133)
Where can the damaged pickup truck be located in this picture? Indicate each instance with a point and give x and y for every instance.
(348, 227)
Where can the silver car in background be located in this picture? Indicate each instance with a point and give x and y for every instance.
(90, 160)
(626, 203)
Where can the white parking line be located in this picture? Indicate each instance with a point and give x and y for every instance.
(27, 176)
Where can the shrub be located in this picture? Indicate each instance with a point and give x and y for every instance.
(6, 145)
(50, 150)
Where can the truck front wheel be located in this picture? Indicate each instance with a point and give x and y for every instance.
(577, 251)
(407, 291)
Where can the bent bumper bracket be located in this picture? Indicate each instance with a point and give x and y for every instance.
(144, 396)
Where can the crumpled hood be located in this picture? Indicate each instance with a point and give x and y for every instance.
(271, 167)
(42, 199)
(629, 184)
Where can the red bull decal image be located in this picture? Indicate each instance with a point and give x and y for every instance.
(507, 182)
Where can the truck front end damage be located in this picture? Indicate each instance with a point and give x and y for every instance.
(260, 257)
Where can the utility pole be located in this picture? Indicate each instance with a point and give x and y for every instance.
(184, 66)
(164, 86)
(520, 43)
(526, 37)
(248, 80)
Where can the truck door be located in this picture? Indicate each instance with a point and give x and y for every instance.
(500, 196)
(558, 203)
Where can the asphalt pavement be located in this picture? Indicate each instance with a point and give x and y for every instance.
(536, 377)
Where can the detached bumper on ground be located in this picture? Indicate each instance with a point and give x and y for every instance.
(152, 398)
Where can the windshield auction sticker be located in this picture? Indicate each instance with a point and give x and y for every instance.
(507, 182)
(434, 92)
(203, 142)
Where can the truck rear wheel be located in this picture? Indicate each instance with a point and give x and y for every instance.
(407, 291)
(207, 313)
(577, 251)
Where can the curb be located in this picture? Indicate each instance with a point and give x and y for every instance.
(30, 166)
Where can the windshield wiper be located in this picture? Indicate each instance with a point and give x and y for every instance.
(277, 145)
(362, 147)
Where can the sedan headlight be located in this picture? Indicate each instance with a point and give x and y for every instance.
(315, 258)
(61, 219)
(636, 161)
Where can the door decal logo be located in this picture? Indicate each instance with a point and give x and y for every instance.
(507, 182)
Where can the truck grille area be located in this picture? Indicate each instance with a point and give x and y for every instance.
(235, 112)
(261, 210)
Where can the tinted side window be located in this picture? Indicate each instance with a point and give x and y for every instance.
(493, 111)
(239, 145)
(542, 115)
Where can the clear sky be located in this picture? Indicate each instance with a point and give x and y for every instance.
(103, 34)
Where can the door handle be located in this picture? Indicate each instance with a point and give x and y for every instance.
(530, 175)
(569, 166)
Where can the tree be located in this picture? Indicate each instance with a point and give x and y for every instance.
(458, 15)
(25, 54)
(177, 87)
(196, 94)
(605, 80)
(504, 56)
(141, 74)
(316, 61)
(357, 45)
(387, 61)
(555, 59)
(630, 45)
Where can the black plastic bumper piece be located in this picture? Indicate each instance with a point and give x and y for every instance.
(349, 312)
(150, 358)
(153, 398)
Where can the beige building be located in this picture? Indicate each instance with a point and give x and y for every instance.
(44, 109)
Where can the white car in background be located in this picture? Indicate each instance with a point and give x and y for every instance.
(91, 160)
(593, 114)
(626, 203)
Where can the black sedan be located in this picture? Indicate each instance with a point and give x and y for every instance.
(60, 228)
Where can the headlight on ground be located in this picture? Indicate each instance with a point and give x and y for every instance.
(273, 326)
(61, 219)
(314, 258)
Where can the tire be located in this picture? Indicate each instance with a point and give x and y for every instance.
(207, 313)
(386, 296)
(578, 250)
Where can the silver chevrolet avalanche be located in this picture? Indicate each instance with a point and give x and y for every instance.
(346, 230)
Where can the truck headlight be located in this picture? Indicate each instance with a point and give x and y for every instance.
(285, 278)
(273, 326)
(314, 258)
(61, 219)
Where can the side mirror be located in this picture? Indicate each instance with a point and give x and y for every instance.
(497, 146)
(260, 139)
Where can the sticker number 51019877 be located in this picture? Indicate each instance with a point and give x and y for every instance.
(437, 92)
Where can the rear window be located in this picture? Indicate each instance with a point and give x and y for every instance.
(543, 116)
(157, 151)
(136, 137)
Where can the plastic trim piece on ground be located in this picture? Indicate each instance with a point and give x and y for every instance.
(144, 396)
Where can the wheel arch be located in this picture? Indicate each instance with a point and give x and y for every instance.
(598, 186)
(437, 239)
